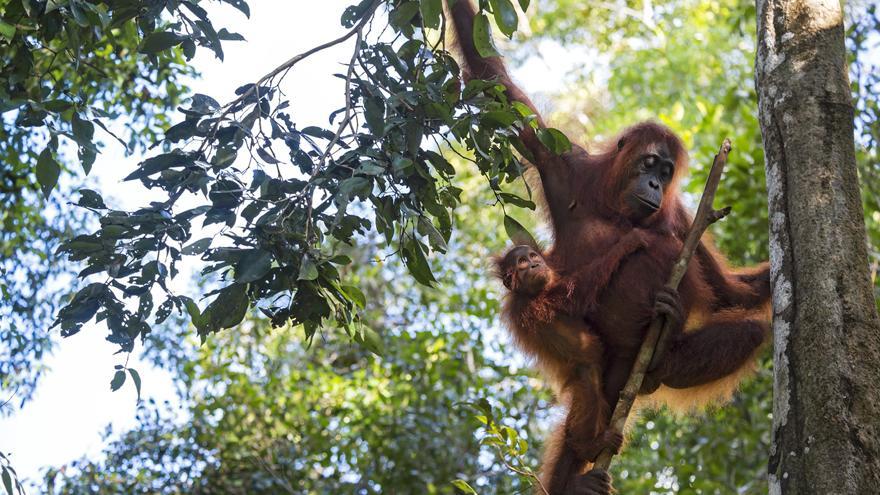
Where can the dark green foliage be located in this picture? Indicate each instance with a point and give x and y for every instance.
(299, 225)
(281, 217)
(67, 70)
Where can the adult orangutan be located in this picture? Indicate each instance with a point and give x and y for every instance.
(595, 199)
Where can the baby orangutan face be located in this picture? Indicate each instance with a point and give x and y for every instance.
(525, 271)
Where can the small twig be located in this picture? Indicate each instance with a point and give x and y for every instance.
(342, 124)
(705, 216)
(7, 401)
(290, 63)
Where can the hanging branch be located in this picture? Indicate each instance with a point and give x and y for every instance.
(705, 216)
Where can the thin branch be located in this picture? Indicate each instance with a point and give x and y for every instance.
(344, 122)
(293, 61)
(705, 216)
(348, 104)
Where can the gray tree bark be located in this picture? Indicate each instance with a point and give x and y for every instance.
(826, 416)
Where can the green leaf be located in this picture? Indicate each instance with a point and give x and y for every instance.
(48, 171)
(318, 132)
(197, 247)
(522, 108)
(354, 13)
(498, 118)
(371, 340)
(87, 158)
(7, 481)
(136, 378)
(524, 5)
(159, 163)
(464, 487)
(226, 311)
(118, 380)
(431, 10)
(226, 35)
(193, 310)
(513, 199)
(91, 199)
(355, 294)
(369, 167)
(440, 163)
(181, 131)
(426, 228)
(253, 265)
(83, 130)
(7, 31)
(554, 140)
(483, 37)
(57, 105)
(414, 257)
(404, 13)
(356, 186)
(307, 269)
(160, 40)
(505, 16)
(517, 233)
(242, 6)
(374, 113)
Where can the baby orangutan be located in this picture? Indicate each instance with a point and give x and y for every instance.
(570, 356)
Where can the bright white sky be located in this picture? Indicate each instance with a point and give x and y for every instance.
(73, 403)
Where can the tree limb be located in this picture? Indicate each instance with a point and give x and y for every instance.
(255, 88)
(704, 217)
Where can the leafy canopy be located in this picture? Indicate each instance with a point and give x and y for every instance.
(279, 203)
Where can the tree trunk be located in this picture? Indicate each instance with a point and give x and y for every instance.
(826, 415)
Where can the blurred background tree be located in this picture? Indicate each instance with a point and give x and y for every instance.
(266, 410)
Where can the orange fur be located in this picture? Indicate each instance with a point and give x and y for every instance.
(611, 261)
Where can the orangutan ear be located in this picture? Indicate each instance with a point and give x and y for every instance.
(507, 280)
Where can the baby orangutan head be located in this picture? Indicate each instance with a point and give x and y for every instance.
(524, 271)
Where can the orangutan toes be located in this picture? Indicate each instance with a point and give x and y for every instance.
(594, 482)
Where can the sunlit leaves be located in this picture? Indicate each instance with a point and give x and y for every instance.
(431, 11)
(505, 441)
(464, 487)
(554, 140)
(7, 30)
(505, 16)
(307, 269)
(483, 37)
(279, 224)
(371, 340)
(517, 233)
